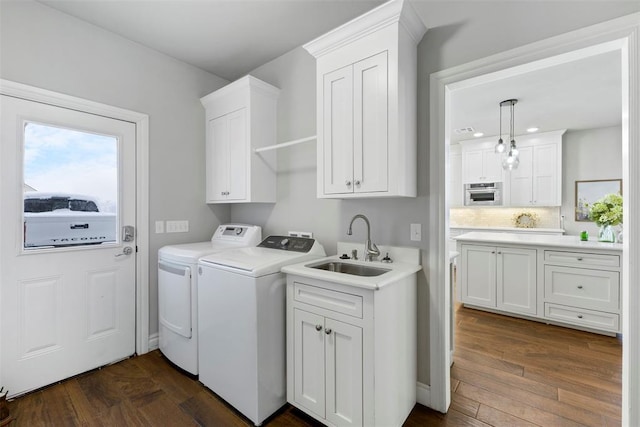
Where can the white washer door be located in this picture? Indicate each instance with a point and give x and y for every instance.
(174, 297)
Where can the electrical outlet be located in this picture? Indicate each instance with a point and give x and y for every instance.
(159, 227)
(416, 232)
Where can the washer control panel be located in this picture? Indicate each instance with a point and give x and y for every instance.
(288, 243)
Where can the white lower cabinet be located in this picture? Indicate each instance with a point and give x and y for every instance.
(567, 287)
(351, 352)
(328, 362)
(499, 277)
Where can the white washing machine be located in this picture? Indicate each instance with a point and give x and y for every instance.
(178, 291)
(241, 316)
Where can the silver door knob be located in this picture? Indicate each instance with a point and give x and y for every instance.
(127, 250)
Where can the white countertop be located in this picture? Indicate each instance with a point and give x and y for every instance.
(518, 229)
(397, 271)
(572, 242)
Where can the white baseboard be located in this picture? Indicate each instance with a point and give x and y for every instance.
(423, 394)
(153, 342)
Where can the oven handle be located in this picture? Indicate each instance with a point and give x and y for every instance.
(484, 190)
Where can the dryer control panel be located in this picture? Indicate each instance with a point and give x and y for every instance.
(288, 243)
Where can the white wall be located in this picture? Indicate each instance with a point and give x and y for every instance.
(588, 155)
(459, 32)
(42, 47)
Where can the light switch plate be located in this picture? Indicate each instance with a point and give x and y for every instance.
(177, 226)
(159, 227)
(416, 232)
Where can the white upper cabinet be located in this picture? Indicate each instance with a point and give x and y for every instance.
(538, 179)
(240, 118)
(366, 104)
(480, 163)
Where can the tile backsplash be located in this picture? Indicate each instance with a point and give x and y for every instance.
(501, 217)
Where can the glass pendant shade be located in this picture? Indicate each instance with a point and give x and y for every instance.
(510, 160)
(513, 150)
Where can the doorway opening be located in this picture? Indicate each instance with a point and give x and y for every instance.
(613, 35)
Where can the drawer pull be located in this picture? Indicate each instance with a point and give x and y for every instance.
(579, 286)
(579, 316)
(579, 259)
(327, 331)
(318, 327)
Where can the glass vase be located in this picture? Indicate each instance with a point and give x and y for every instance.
(606, 234)
(619, 237)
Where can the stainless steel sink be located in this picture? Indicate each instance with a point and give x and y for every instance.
(354, 269)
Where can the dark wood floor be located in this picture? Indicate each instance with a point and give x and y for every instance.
(507, 372)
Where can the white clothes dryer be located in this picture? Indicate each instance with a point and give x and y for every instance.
(178, 290)
(241, 317)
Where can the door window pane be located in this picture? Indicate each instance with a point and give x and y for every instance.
(70, 187)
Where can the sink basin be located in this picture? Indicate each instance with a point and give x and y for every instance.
(354, 269)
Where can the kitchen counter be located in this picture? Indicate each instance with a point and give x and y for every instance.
(508, 229)
(572, 242)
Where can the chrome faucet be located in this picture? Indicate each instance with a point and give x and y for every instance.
(371, 250)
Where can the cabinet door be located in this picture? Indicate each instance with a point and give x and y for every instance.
(546, 186)
(521, 180)
(516, 280)
(217, 159)
(237, 157)
(491, 166)
(478, 275)
(337, 139)
(309, 361)
(472, 166)
(343, 350)
(370, 135)
(227, 157)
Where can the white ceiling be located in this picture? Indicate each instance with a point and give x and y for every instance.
(230, 38)
(582, 94)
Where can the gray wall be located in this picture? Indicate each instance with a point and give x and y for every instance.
(588, 155)
(459, 32)
(48, 49)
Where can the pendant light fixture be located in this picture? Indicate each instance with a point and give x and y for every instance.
(500, 146)
(511, 160)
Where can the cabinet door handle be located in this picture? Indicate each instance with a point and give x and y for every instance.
(579, 316)
(327, 331)
(318, 327)
(580, 259)
(499, 253)
(348, 183)
(357, 182)
(493, 252)
(579, 286)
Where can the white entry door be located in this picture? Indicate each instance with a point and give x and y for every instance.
(67, 267)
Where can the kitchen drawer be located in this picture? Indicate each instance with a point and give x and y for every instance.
(582, 317)
(581, 287)
(582, 259)
(340, 302)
